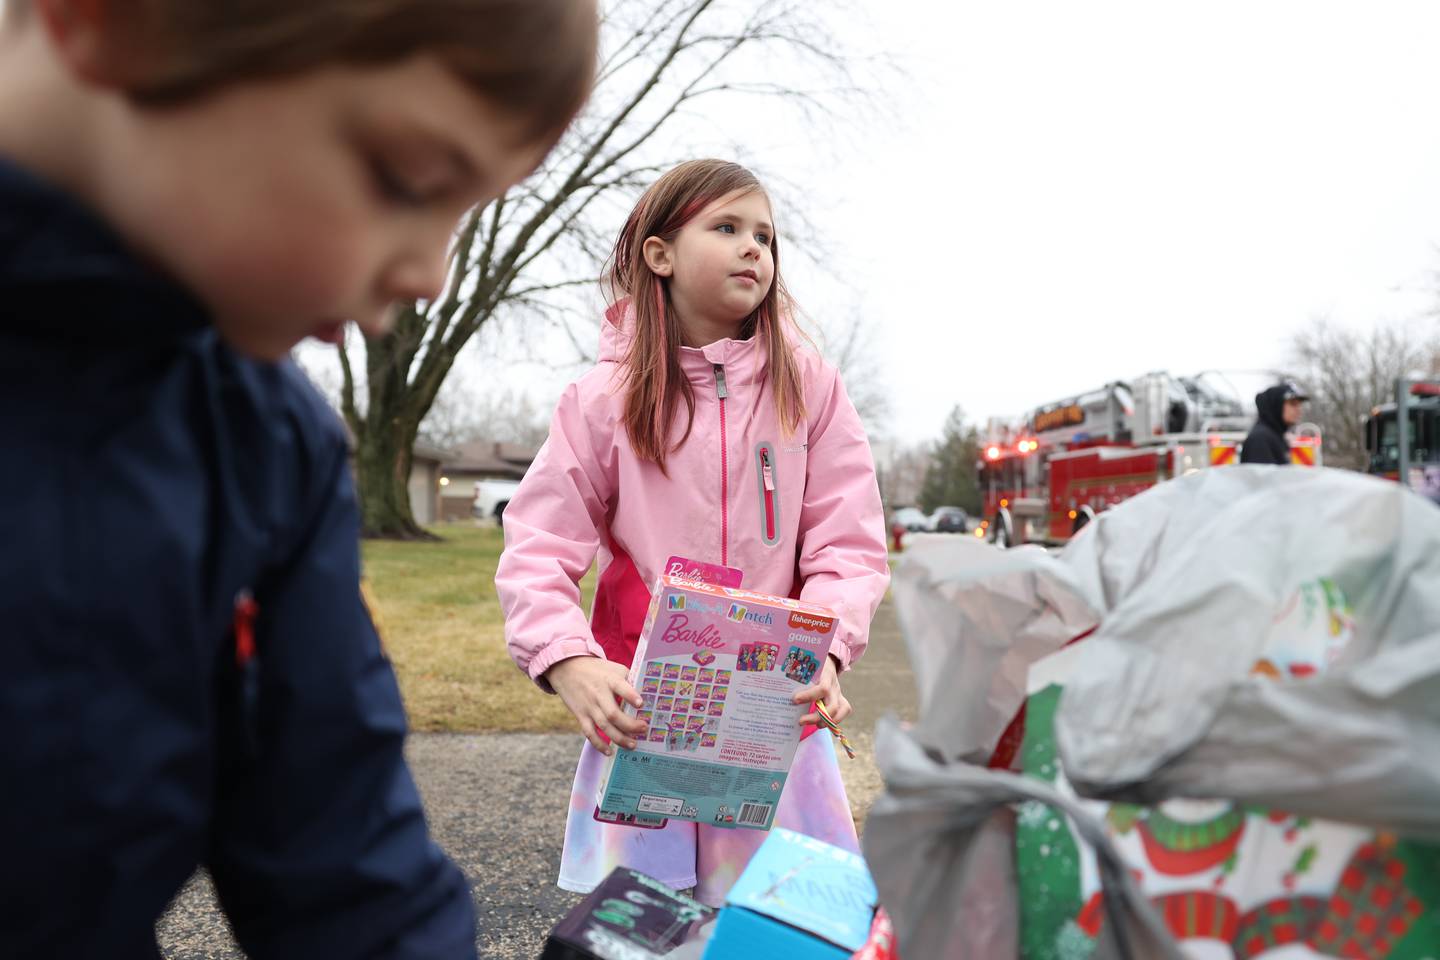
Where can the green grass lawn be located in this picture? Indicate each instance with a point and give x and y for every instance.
(436, 608)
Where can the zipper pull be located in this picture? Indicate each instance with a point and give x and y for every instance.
(246, 610)
(720, 390)
(766, 473)
(248, 668)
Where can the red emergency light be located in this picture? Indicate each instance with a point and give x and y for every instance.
(992, 453)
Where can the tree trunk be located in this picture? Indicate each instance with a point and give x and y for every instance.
(384, 448)
(382, 473)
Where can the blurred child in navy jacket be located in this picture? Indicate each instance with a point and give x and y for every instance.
(189, 675)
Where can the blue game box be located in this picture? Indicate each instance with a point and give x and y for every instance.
(800, 899)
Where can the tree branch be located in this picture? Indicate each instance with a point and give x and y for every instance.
(460, 261)
(618, 60)
(527, 292)
(495, 211)
(347, 393)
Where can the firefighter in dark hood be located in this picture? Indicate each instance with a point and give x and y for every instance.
(1279, 408)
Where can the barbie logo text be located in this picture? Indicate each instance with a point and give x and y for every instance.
(677, 632)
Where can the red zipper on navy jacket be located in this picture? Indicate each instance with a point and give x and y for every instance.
(721, 393)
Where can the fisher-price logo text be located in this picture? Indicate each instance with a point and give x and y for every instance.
(806, 621)
(679, 631)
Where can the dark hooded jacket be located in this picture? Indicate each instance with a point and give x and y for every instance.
(1266, 441)
(154, 484)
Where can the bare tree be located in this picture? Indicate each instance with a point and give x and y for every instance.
(462, 413)
(852, 349)
(662, 60)
(1349, 373)
(900, 470)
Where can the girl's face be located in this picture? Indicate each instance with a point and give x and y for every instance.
(720, 264)
(293, 206)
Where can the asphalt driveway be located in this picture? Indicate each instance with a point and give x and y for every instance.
(497, 804)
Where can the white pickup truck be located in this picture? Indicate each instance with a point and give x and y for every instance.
(492, 497)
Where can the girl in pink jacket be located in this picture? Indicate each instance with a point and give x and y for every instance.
(703, 432)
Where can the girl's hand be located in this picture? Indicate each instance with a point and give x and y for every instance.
(826, 688)
(590, 687)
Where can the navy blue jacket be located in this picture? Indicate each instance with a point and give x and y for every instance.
(151, 479)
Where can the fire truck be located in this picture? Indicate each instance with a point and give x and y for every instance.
(1047, 474)
(1414, 457)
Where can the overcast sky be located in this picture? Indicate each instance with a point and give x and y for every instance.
(1078, 192)
(1057, 194)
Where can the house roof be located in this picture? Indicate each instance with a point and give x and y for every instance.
(489, 457)
(430, 452)
(422, 451)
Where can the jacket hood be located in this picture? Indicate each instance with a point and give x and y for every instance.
(1270, 404)
(744, 360)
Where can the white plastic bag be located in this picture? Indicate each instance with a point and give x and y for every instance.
(1181, 585)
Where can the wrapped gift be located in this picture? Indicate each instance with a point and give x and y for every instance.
(798, 898)
(1184, 687)
(1227, 880)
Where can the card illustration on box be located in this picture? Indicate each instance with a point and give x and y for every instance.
(756, 657)
(801, 665)
(721, 735)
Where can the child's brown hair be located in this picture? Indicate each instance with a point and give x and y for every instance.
(655, 384)
(533, 58)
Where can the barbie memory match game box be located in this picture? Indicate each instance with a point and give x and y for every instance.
(717, 667)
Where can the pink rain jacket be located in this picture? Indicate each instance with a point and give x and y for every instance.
(800, 515)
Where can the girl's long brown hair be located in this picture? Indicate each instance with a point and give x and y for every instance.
(655, 384)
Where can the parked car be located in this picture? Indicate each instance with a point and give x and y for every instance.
(949, 520)
(492, 497)
(911, 518)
